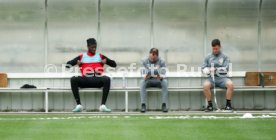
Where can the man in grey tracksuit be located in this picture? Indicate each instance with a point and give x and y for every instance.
(153, 75)
(217, 65)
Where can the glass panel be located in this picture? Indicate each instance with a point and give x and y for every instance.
(179, 31)
(268, 35)
(70, 23)
(235, 23)
(125, 29)
(22, 35)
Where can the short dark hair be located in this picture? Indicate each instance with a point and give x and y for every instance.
(154, 51)
(215, 42)
(91, 41)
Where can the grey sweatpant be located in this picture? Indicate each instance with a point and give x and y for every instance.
(154, 83)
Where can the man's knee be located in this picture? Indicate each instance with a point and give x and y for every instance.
(229, 85)
(143, 83)
(74, 79)
(106, 79)
(206, 85)
(164, 83)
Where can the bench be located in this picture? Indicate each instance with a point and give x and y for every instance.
(124, 89)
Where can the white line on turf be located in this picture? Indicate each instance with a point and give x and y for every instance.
(245, 116)
(62, 118)
(214, 117)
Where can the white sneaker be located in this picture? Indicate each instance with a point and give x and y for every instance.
(103, 108)
(78, 108)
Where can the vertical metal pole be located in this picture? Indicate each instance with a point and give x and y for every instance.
(152, 24)
(205, 36)
(46, 101)
(46, 33)
(126, 92)
(260, 34)
(205, 27)
(99, 23)
(126, 101)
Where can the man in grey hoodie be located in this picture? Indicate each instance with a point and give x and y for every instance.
(153, 75)
(216, 65)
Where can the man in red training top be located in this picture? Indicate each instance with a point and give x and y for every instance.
(91, 65)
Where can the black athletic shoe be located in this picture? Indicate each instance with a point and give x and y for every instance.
(228, 108)
(209, 108)
(164, 108)
(143, 108)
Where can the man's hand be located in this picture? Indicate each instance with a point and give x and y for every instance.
(146, 77)
(159, 77)
(79, 63)
(206, 71)
(212, 69)
(104, 61)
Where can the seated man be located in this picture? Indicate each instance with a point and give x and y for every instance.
(216, 65)
(153, 73)
(91, 66)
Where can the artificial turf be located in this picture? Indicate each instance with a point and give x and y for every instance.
(97, 127)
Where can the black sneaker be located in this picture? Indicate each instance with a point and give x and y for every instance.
(164, 108)
(228, 108)
(209, 108)
(143, 108)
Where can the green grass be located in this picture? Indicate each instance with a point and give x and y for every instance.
(133, 128)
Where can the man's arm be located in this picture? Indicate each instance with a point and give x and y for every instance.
(204, 67)
(144, 70)
(109, 62)
(225, 66)
(226, 63)
(73, 62)
(205, 63)
(162, 69)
